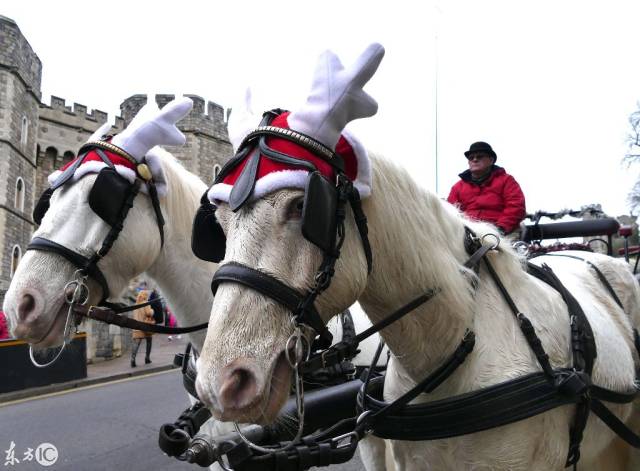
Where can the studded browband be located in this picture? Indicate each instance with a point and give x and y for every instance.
(142, 169)
(303, 140)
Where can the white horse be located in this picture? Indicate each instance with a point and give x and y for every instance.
(35, 299)
(417, 244)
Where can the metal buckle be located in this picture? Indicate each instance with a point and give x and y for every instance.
(336, 441)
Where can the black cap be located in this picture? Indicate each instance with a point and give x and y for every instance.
(481, 147)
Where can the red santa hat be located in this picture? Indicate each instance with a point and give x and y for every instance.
(336, 98)
(135, 145)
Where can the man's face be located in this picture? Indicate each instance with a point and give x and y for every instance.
(479, 162)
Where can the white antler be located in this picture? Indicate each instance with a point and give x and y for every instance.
(152, 127)
(337, 96)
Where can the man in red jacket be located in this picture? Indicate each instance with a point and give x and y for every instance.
(486, 192)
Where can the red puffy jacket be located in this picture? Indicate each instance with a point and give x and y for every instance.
(498, 199)
(4, 329)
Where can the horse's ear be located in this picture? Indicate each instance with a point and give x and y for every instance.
(242, 120)
(208, 241)
(100, 132)
(319, 212)
(108, 194)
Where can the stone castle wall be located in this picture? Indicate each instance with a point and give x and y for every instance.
(20, 75)
(62, 130)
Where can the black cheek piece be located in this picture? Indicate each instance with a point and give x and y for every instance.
(208, 240)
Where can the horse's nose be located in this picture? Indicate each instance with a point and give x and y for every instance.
(238, 385)
(26, 306)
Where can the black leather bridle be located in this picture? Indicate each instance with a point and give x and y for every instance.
(88, 265)
(301, 305)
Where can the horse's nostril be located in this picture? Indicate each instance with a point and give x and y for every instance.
(26, 306)
(239, 389)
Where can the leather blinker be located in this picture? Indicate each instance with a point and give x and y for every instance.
(108, 195)
(42, 206)
(208, 241)
(319, 212)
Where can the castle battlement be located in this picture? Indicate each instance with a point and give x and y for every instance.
(206, 117)
(78, 110)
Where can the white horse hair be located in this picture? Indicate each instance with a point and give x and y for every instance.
(417, 243)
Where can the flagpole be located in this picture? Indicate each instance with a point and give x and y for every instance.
(437, 23)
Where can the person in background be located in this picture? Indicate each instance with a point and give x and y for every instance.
(4, 328)
(158, 308)
(143, 314)
(171, 322)
(486, 192)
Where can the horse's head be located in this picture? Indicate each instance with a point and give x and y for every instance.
(283, 205)
(100, 221)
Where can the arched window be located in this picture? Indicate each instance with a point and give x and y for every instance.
(51, 153)
(24, 132)
(16, 255)
(19, 196)
(216, 170)
(68, 157)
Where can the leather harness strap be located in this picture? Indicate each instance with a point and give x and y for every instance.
(271, 287)
(113, 316)
(509, 401)
(80, 261)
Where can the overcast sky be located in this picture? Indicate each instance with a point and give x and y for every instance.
(549, 84)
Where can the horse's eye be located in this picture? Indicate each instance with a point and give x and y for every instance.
(294, 211)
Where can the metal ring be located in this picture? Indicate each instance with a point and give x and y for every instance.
(301, 349)
(362, 416)
(495, 236)
(80, 293)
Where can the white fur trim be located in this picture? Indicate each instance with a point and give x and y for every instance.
(94, 167)
(267, 184)
(220, 192)
(363, 178)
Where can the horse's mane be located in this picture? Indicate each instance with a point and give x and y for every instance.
(183, 195)
(428, 233)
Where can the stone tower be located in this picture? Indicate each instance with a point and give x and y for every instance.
(20, 74)
(207, 147)
(35, 139)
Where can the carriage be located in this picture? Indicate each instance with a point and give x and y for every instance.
(491, 364)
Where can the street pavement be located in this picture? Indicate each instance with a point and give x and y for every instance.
(109, 422)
